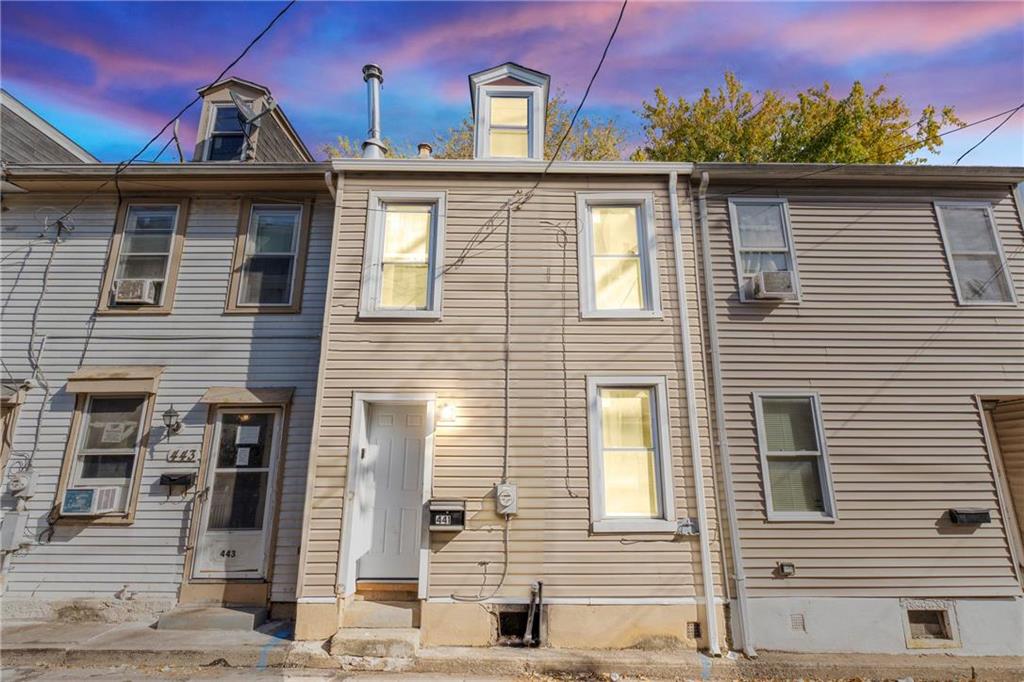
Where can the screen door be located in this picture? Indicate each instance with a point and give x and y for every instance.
(238, 500)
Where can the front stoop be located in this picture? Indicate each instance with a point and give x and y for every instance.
(212, 618)
(390, 649)
(381, 614)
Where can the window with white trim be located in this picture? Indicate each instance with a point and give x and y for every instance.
(227, 138)
(975, 253)
(271, 250)
(794, 460)
(617, 256)
(106, 453)
(763, 240)
(631, 473)
(401, 273)
(147, 245)
(510, 123)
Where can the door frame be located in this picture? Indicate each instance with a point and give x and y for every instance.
(361, 402)
(1005, 501)
(248, 591)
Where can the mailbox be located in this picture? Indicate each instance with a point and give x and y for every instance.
(447, 516)
(178, 479)
(969, 517)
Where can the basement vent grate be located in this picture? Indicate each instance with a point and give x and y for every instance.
(929, 624)
(797, 622)
(512, 625)
(693, 630)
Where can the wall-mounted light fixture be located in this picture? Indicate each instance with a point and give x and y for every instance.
(172, 420)
(447, 414)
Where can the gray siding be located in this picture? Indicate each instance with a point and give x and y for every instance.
(274, 144)
(22, 142)
(199, 346)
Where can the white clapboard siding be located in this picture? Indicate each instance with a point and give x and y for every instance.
(879, 335)
(460, 358)
(199, 346)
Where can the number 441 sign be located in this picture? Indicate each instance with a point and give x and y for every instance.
(183, 455)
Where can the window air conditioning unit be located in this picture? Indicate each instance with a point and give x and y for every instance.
(774, 285)
(135, 291)
(89, 501)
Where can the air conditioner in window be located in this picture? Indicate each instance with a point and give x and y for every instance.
(135, 291)
(89, 501)
(774, 285)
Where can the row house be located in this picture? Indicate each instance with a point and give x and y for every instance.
(590, 404)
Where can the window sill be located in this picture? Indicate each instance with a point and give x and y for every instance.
(134, 310)
(987, 304)
(800, 517)
(399, 315)
(622, 315)
(633, 526)
(263, 310)
(111, 520)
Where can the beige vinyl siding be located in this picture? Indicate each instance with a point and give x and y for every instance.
(460, 358)
(199, 348)
(1008, 418)
(897, 363)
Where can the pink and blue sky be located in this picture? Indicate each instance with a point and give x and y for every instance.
(110, 74)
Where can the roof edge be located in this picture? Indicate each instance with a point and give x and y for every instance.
(518, 166)
(823, 172)
(45, 127)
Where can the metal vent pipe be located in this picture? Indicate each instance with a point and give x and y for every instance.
(373, 145)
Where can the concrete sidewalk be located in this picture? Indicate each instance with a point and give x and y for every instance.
(99, 645)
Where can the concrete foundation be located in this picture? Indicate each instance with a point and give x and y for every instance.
(457, 625)
(316, 621)
(84, 610)
(987, 627)
(625, 626)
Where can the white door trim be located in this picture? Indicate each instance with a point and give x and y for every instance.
(361, 402)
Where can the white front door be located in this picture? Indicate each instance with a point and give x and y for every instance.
(238, 501)
(389, 485)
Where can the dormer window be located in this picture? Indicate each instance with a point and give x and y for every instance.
(227, 139)
(509, 103)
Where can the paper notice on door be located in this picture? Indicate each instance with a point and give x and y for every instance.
(242, 457)
(115, 432)
(247, 435)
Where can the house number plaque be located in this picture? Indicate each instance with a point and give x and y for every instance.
(183, 455)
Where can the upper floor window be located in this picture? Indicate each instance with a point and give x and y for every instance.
(617, 255)
(975, 253)
(401, 271)
(631, 472)
(269, 258)
(794, 462)
(509, 103)
(144, 256)
(227, 138)
(763, 242)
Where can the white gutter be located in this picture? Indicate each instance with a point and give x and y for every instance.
(436, 165)
(741, 618)
(711, 617)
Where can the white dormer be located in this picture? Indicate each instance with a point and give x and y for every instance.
(509, 106)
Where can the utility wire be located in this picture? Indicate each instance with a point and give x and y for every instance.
(990, 133)
(124, 164)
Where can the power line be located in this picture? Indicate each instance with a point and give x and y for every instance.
(990, 133)
(124, 164)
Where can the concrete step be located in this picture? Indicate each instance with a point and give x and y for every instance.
(376, 642)
(381, 614)
(212, 618)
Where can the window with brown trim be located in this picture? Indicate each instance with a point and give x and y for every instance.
(105, 454)
(145, 252)
(270, 257)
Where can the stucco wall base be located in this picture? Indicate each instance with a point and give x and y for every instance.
(988, 627)
(316, 621)
(84, 610)
(644, 626)
(457, 625)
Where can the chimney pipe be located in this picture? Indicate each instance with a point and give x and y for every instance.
(425, 150)
(373, 146)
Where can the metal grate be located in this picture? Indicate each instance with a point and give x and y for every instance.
(797, 622)
(693, 630)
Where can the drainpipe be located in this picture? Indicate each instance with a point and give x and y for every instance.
(691, 418)
(741, 621)
(373, 146)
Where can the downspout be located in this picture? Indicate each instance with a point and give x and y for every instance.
(741, 621)
(691, 417)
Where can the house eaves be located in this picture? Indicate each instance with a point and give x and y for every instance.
(529, 167)
(830, 173)
(42, 125)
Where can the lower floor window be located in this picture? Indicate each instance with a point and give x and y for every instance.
(107, 449)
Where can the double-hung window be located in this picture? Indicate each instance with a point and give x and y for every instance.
(269, 258)
(617, 255)
(630, 465)
(763, 241)
(143, 267)
(227, 138)
(794, 460)
(975, 253)
(509, 132)
(106, 453)
(402, 274)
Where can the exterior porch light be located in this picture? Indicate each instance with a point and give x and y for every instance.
(172, 420)
(447, 415)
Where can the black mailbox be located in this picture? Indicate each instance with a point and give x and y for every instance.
(969, 517)
(447, 516)
(178, 480)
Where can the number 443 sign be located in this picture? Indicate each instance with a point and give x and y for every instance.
(183, 455)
